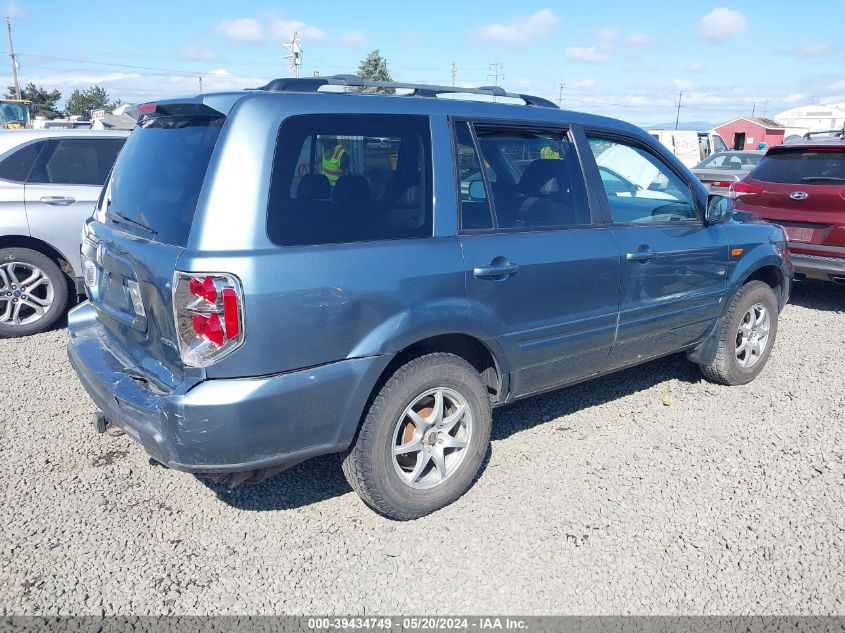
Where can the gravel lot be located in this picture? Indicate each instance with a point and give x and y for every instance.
(596, 499)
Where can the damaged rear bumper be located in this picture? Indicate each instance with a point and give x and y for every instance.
(223, 425)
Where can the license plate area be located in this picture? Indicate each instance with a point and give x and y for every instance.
(799, 234)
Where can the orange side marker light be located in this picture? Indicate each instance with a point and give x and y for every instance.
(737, 252)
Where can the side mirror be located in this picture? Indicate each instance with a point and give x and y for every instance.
(477, 190)
(719, 209)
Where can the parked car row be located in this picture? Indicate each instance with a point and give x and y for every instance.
(800, 186)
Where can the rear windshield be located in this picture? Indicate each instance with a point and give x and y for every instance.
(157, 178)
(802, 165)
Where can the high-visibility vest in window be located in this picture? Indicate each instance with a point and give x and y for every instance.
(548, 152)
(331, 165)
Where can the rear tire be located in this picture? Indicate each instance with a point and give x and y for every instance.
(423, 439)
(33, 292)
(747, 336)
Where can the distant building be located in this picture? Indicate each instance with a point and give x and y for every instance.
(813, 118)
(747, 132)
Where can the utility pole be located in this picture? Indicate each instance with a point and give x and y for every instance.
(560, 94)
(14, 59)
(678, 115)
(295, 57)
(200, 79)
(496, 67)
(753, 107)
(454, 73)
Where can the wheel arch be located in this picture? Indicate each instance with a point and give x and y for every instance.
(48, 250)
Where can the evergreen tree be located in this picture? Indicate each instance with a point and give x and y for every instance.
(374, 68)
(43, 101)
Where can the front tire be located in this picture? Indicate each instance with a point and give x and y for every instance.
(33, 292)
(423, 439)
(747, 336)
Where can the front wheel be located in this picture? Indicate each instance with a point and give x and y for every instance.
(747, 336)
(423, 439)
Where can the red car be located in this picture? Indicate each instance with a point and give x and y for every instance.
(801, 186)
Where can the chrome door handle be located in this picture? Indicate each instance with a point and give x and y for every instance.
(497, 272)
(643, 255)
(58, 201)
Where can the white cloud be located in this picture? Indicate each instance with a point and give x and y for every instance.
(722, 24)
(609, 33)
(15, 11)
(695, 67)
(591, 54)
(639, 39)
(194, 51)
(284, 29)
(240, 29)
(352, 38)
(586, 84)
(520, 31)
(682, 84)
(815, 50)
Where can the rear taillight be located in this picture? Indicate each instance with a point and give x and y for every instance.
(722, 183)
(743, 188)
(208, 309)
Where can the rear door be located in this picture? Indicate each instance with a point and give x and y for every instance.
(63, 187)
(14, 169)
(541, 277)
(140, 229)
(673, 266)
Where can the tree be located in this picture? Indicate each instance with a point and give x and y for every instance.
(374, 68)
(43, 101)
(81, 102)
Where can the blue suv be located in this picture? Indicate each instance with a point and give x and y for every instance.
(287, 272)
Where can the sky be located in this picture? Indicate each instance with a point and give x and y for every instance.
(619, 58)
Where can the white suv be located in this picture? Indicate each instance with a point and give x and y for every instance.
(50, 181)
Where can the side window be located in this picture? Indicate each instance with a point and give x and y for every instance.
(536, 179)
(719, 144)
(475, 208)
(76, 161)
(649, 190)
(351, 178)
(17, 165)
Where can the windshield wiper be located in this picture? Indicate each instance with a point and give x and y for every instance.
(822, 179)
(122, 219)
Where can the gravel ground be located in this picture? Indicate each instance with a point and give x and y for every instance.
(596, 499)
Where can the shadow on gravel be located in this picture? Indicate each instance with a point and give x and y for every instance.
(321, 478)
(818, 295)
(310, 482)
(532, 412)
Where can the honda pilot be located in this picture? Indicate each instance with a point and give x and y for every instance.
(287, 272)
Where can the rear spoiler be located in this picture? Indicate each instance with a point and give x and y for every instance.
(209, 105)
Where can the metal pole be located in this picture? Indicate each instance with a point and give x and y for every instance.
(678, 115)
(14, 59)
(560, 95)
(200, 78)
(495, 66)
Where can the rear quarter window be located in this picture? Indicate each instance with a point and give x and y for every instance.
(17, 165)
(802, 166)
(353, 178)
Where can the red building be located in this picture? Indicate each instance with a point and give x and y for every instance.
(747, 132)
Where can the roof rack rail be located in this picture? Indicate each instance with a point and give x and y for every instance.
(313, 84)
(840, 133)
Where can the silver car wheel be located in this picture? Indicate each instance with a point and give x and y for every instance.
(26, 293)
(431, 437)
(752, 335)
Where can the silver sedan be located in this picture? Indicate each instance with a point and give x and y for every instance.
(719, 171)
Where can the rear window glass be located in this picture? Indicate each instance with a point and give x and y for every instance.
(802, 166)
(76, 161)
(158, 176)
(16, 166)
(354, 178)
